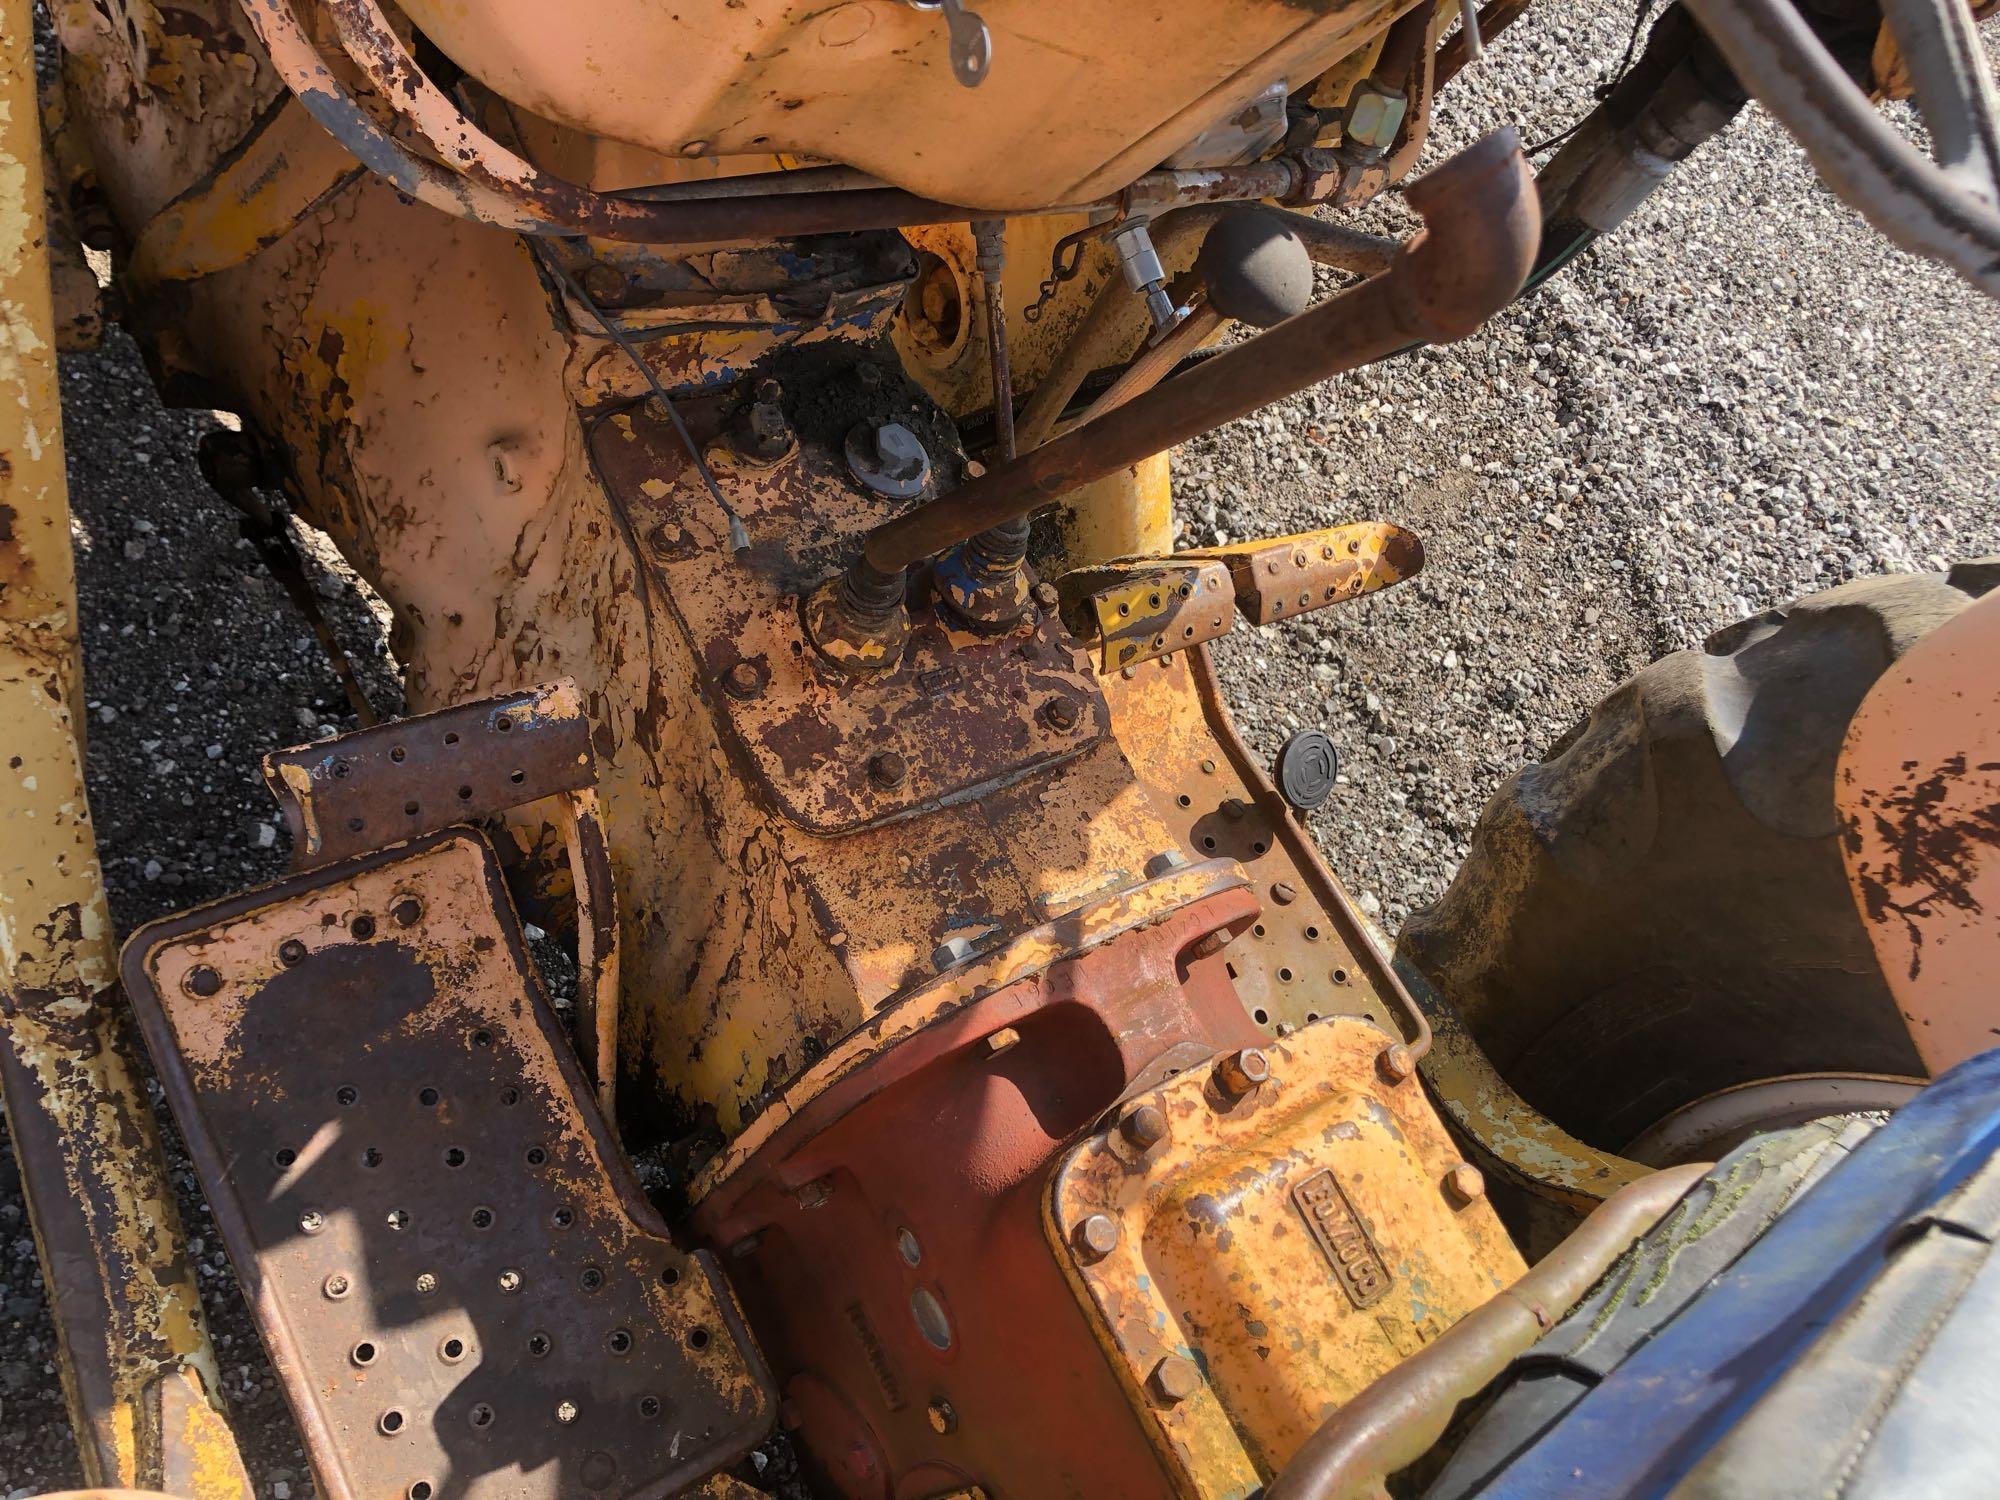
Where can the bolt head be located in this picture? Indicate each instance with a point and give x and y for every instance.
(1464, 1184)
(1374, 116)
(1003, 1040)
(887, 769)
(202, 981)
(1145, 1126)
(1097, 1235)
(1394, 1063)
(604, 283)
(1284, 893)
(1241, 1071)
(744, 680)
(1175, 1379)
(1046, 595)
(312, 1221)
(1060, 713)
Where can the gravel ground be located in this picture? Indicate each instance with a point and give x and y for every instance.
(1744, 396)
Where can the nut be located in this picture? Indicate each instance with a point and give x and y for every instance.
(1241, 1071)
(1001, 1041)
(1060, 714)
(1046, 595)
(1145, 1126)
(887, 769)
(1463, 1184)
(1175, 1379)
(1374, 115)
(1097, 1234)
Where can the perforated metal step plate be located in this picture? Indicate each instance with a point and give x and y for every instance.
(461, 1289)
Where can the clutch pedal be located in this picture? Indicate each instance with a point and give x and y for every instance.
(461, 1288)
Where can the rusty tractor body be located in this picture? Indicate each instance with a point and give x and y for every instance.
(1041, 1118)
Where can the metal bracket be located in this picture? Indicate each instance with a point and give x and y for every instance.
(377, 786)
(1290, 575)
(1150, 608)
(834, 752)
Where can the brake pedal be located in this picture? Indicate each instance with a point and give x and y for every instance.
(461, 1288)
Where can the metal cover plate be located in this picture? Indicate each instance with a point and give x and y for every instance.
(1293, 1244)
(462, 1290)
(964, 711)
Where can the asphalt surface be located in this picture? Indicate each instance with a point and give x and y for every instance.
(1743, 397)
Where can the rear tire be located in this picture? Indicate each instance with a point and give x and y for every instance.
(1658, 910)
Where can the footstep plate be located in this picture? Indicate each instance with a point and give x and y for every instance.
(459, 1284)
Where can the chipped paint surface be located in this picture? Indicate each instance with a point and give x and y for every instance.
(123, 1292)
(1918, 791)
(1291, 1242)
(375, 1092)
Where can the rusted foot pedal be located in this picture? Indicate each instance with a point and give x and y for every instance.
(459, 1284)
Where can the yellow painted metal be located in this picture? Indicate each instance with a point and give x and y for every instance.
(284, 171)
(1127, 514)
(1254, 1253)
(1080, 98)
(127, 1310)
(1512, 1140)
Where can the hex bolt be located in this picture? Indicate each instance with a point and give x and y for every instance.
(1165, 863)
(1284, 893)
(603, 283)
(815, 1193)
(944, 1417)
(1145, 1126)
(1175, 1379)
(744, 680)
(887, 769)
(1395, 1063)
(1097, 1235)
(1211, 945)
(1046, 595)
(1463, 1184)
(1003, 1040)
(1241, 1071)
(1060, 714)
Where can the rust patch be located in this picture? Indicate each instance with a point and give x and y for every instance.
(1929, 850)
(449, 1251)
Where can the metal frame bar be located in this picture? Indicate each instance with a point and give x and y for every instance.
(137, 1368)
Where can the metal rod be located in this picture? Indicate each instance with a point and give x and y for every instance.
(134, 1353)
(1154, 363)
(1482, 227)
(989, 236)
(1394, 1422)
(1467, 44)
